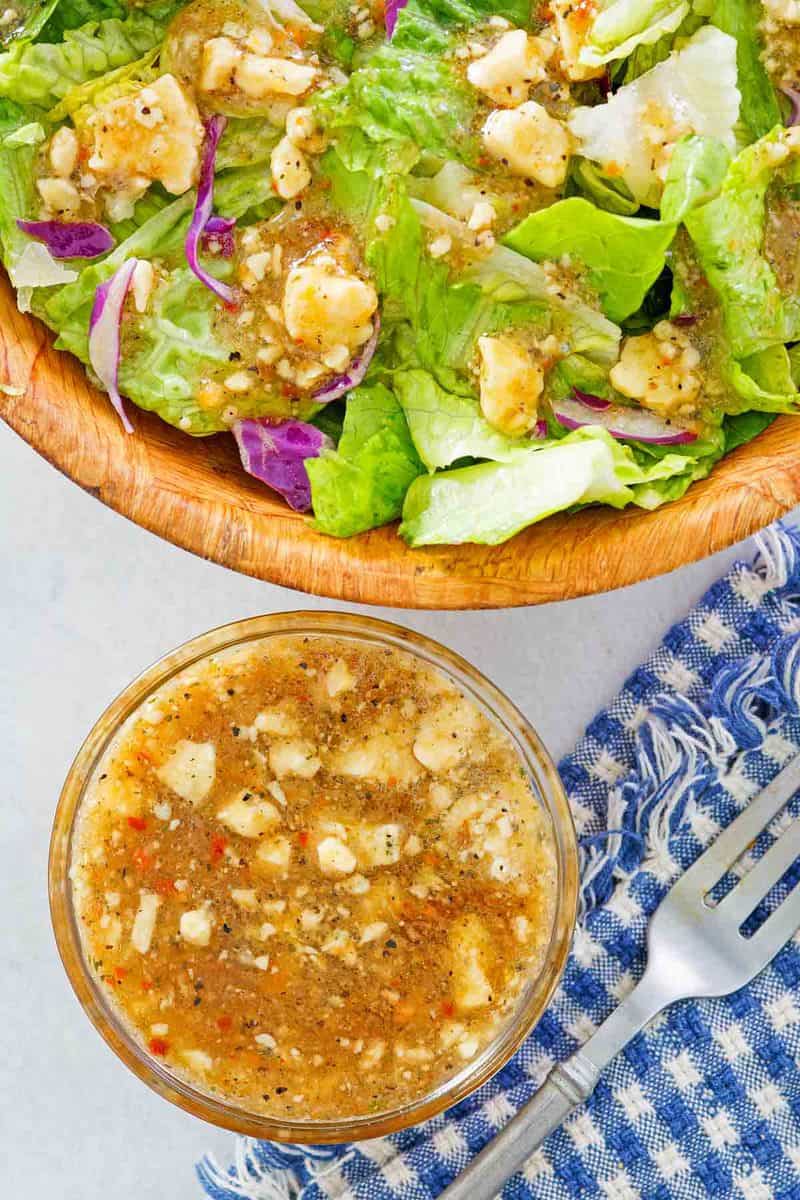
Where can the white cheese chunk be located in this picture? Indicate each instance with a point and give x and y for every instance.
(379, 845)
(259, 77)
(155, 134)
(290, 170)
(195, 926)
(248, 816)
(511, 383)
(506, 73)
(529, 142)
(294, 757)
(275, 853)
(334, 857)
(325, 306)
(371, 933)
(339, 678)
(190, 770)
(144, 922)
(469, 945)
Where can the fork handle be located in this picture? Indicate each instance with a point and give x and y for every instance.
(566, 1087)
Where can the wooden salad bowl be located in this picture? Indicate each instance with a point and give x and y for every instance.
(194, 492)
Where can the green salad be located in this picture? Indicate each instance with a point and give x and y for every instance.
(461, 263)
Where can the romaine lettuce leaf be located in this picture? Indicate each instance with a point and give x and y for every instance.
(361, 484)
(623, 255)
(446, 427)
(410, 97)
(17, 195)
(620, 26)
(586, 179)
(492, 501)
(402, 102)
(742, 19)
(743, 427)
(42, 73)
(764, 382)
(695, 174)
(728, 235)
(695, 88)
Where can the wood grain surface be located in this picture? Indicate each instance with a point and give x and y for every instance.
(194, 493)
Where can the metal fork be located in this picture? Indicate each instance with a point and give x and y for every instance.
(695, 949)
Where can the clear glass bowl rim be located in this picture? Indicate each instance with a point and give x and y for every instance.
(537, 993)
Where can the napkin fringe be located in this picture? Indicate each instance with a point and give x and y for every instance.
(269, 1171)
(685, 744)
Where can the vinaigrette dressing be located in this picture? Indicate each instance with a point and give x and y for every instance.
(312, 877)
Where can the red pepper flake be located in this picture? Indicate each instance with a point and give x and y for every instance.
(120, 973)
(224, 1023)
(448, 1008)
(141, 859)
(164, 887)
(137, 823)
(303, 837)
(158, 1046)
(218, 845)
(147, 985)
(392, 781)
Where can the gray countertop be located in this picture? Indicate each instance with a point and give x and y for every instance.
(88, 601)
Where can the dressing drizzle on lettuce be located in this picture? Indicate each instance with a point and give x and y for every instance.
(460, 264)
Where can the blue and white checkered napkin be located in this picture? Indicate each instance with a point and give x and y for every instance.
(706, 1102)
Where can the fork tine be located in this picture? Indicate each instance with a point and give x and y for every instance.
(755, 885)
(776, 931)
(734, 840)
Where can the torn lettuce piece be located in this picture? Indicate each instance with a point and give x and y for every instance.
(763, 382)
(693, 91)
(409, 97)
(623, 255)
(618, 27)
(361, 484)
(449, 309)
(695, 175)
(728, 236)
(742, 19)
(445, 427)
(28, 263)
(490, 502)
(586, 179)
(43, 73)
(400, 103)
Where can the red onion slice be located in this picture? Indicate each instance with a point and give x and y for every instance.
(390, 14)
(355, 373)
(104, 325)
(202, 210)
(276, 451)
(70, 239)
(628, 424)
(540, 429)
(591, 401)
(793, 96)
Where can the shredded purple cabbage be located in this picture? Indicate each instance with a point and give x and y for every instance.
(355, 373)
(70, 239)
(275, 452)
(203, 207)
(104, 329)
(390, 15)
(627, 424)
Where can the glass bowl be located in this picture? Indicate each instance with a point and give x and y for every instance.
(229, 1114)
